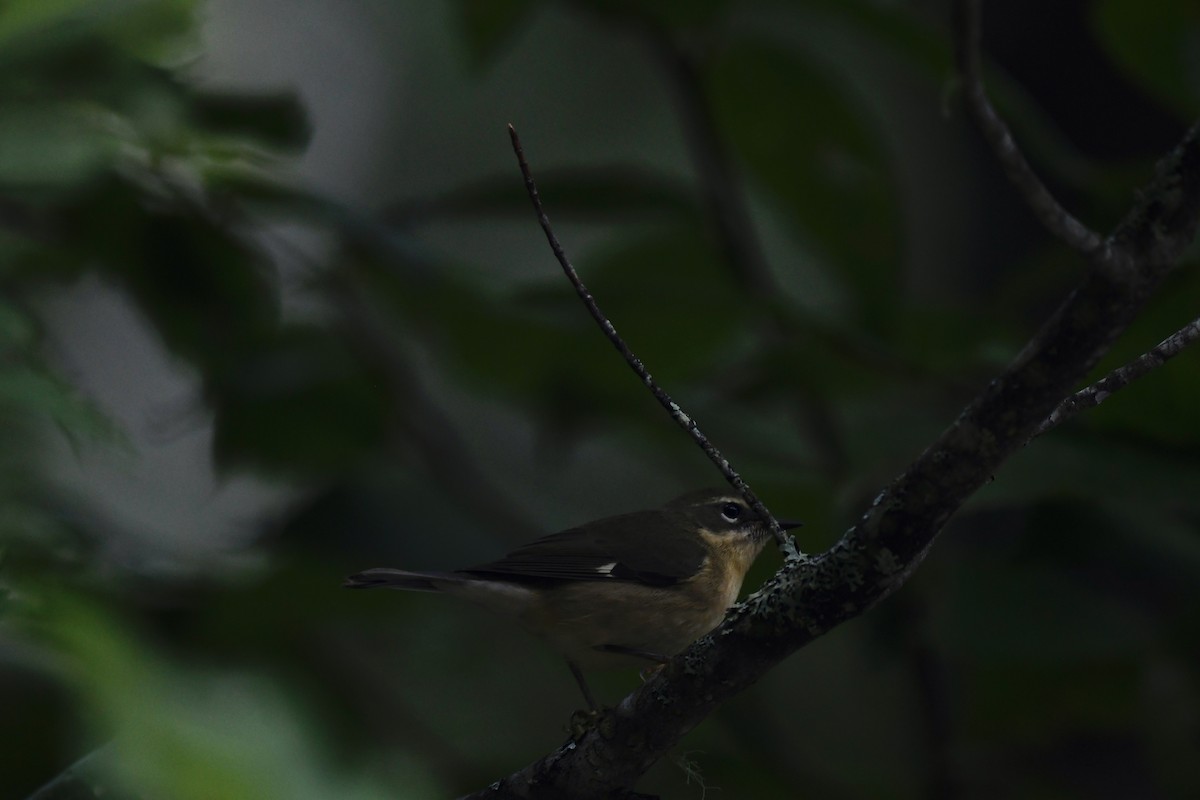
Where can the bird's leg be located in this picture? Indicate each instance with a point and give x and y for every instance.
(622, 650)
(583, 687)
(659, 659)
(582, 721)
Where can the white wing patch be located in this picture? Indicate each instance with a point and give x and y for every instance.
(606, 569)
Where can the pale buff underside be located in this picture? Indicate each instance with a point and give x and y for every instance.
(577, 617)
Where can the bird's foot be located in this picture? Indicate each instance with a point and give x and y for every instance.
(649, 672)
(584, 720)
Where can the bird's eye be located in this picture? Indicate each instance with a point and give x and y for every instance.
(732, 512)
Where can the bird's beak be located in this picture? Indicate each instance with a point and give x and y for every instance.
(788, 524)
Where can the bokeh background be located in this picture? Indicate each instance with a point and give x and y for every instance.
(275, 309)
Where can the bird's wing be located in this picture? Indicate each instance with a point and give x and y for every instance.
(654, 548)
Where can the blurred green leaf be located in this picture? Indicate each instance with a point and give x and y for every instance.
(1061, 464)
(1011, 614)
(276, 121)
(668, 294)
(269, 194)
(208, 290)
(673, 299)
(1156, 43)
(26, 391)
(591, 193)
(668, 13)
(1041, 704)
(299, 403)
(953, 341)
(26, 18)
(45, 144)
(16, 328)
(1150, 547)
(151, 29)
(487, 26)
(159, 31)
(487, 341)
(817, 364)
(892, 25)
(196, 733)
(811, 149)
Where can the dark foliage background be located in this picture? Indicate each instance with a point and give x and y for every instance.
(275, 309)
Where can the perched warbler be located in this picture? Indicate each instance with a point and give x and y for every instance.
(634, 587)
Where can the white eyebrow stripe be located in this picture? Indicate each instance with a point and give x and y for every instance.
(606, 569)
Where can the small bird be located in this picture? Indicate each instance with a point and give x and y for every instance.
(632, 588)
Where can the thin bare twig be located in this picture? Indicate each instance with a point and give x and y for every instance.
(1121, 377)
(1045, 207)
(685, 421)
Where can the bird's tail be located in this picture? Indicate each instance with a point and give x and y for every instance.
(400, 579)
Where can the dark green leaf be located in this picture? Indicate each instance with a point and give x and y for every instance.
(193, 734)
(1062, 463)
(299, 403)
(277, 121)
(814, 152)
(45, 144)
(31, 392)
(1155, 42)
(669, 13)
(206, 288)
(149, 29)
(893, 26)
(1039, 703)
(488, 26)
(673, 299)
(159, 31)
(589, 192)
(16, 328)
(1030, 614)
(269, 194)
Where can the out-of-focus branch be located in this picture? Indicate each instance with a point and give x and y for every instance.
(420, 421)
(720, 186)
(729, 214)
(83, 780)
(1060, 222)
